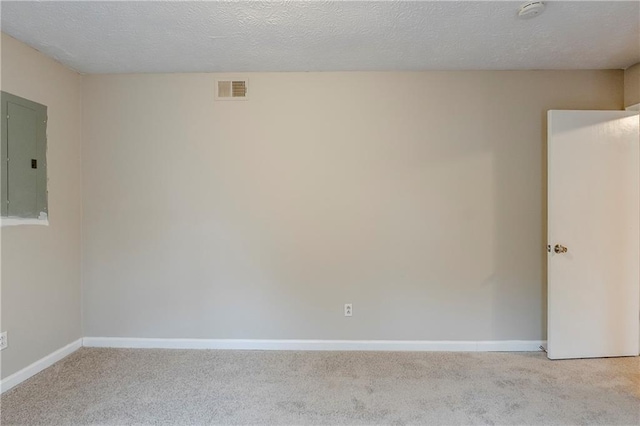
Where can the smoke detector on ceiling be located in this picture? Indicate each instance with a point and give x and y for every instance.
(531, 9)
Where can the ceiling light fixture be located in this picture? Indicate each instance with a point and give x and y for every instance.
(531, 9)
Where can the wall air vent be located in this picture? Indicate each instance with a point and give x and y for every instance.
(232, 90)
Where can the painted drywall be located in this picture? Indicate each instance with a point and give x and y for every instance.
(418, 197)
(632, 85)
(41, 303)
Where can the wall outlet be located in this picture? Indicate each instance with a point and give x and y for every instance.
(348, 309)
(3, 340)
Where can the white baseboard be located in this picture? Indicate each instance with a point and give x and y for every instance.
(38, 366)
(275, 345)
(318, 345)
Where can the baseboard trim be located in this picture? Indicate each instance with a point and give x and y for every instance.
(271, 345)
(33, 369)
(635, 107)
(318, 345)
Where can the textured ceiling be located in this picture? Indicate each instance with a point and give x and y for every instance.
(151, 36)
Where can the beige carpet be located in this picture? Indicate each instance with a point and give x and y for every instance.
(174, 387)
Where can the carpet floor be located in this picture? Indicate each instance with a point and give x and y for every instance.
(176, 387)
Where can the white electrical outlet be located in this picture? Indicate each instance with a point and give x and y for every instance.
(3, 340)
(348, 309)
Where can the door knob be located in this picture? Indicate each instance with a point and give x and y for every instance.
(560, 249)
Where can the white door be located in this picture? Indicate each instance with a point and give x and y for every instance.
(593, 214)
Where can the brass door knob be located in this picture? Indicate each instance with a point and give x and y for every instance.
(560, 249)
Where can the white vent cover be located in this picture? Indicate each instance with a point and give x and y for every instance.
(232, 90)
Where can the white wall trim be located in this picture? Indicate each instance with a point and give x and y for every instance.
(635, 107)
(318, 345)
(33, 369)
(17, 221)
(274, 345)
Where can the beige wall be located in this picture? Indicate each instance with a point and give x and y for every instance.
(632, 85)
(418, 197)
(41, 265)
